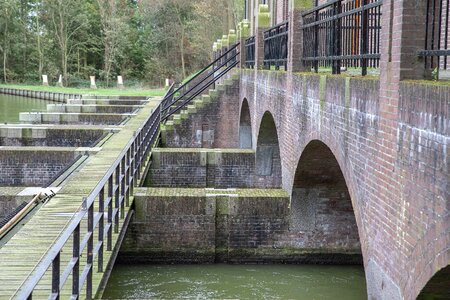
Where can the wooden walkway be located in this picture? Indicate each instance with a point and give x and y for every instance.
(20, 256)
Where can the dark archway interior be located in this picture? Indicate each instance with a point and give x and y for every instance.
(268, 161)
(438, 288)
(321, 208)
(245, 127)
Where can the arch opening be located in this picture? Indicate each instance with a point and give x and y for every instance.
(245, 127)
(321, 209)
(268, 160)
(438, 287)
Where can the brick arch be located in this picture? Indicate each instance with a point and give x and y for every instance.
(322, 214)
(245, 126)
(438, 287)
(268, 155)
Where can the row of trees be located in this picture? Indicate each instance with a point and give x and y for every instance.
(145, 40)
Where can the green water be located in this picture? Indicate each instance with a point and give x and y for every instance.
(222, 281)
(11, 106)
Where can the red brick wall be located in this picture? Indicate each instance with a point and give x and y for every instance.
(395, 165)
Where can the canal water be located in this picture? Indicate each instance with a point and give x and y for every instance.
(11, 106)
(221, 281)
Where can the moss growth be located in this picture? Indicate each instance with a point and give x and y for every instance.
(303, 4)
(322, 91)
(263, 16)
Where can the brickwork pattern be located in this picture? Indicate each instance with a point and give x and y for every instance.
(393, 156)
(32, 168)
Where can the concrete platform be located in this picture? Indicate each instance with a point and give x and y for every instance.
(92, 108)
(74, 118)
(52, 136)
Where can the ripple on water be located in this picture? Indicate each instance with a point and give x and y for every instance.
(237, 282)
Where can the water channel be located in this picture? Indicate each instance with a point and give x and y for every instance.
(221, 281)
(11, 106)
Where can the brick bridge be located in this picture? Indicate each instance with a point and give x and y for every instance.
(274, 164)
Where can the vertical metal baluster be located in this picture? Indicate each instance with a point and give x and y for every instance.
(90, 248)
(116, 199)
(316, 39)
(364, 37)
(76, 267)
(110, 212)
(127, 176)
(446, 41)
(122, 189)
(56, 275)
(101, 227)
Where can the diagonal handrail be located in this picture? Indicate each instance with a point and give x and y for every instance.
(224, 64)
(180, 88)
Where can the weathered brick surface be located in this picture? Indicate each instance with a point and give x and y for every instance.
(207, 225)
(393, 156)
(212, 126)
(32, 168)
(50, 137)
(202, 168)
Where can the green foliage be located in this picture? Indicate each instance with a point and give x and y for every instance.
(144, 41)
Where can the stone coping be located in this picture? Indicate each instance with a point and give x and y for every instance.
(204, 192)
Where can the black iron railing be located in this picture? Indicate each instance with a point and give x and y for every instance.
(276, 46)
(180, 97)
(250, 52)
(343, 34)
(437, 43)
(91, 228)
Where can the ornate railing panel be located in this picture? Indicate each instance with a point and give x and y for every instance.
(343, 34)
(276, 46)
(250, 52)
(437, 44)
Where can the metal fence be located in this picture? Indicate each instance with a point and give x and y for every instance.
(250, 52)
(342, 34)
(276, 46)
(437, 44)
(91, 228)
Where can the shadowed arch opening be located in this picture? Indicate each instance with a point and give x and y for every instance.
(268, 161)
(245, 127)
(438, 287)
(321, 209)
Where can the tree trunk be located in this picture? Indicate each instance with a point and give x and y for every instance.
(183, 67)
(4, 66)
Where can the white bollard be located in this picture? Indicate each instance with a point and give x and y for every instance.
(45, 80)
(93, 85)
(120, 82)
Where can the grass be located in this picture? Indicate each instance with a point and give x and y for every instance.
(100, 92)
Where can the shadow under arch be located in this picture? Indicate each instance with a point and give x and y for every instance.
(268, 160)
(438, 287)
(322, 213)
(245, 127)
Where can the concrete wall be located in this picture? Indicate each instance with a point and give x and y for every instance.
(33, 167)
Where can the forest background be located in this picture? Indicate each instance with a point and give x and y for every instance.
(145, 41)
